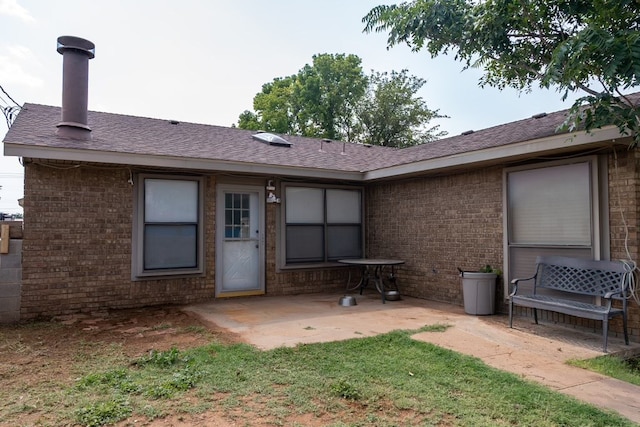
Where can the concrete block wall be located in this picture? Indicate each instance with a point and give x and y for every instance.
(11, 275)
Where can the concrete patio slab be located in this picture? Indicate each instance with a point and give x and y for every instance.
(534, 352)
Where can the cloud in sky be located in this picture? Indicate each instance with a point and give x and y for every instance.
(15, 60)
(203, 61)
(12, 8)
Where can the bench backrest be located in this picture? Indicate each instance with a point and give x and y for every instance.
(582, 276)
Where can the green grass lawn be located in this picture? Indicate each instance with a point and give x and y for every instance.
(387, 380)
(612, 366)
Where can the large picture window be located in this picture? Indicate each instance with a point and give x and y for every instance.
(322, 224)
(169, 226)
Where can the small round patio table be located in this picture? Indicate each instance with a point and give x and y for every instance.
(374, 269)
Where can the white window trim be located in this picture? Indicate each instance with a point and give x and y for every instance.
(282, 234)
(137, 258)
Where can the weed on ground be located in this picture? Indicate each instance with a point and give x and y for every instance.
(180, 374)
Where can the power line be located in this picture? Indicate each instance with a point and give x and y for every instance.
(9, 111)
(9, 96)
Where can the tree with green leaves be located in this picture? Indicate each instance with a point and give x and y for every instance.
(319, 101)
(328, 92)
(333, 98)
(273, 104)
(392, 115)
(592, 46)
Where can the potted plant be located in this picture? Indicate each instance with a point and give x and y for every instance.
(479, 290)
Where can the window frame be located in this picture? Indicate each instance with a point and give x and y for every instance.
(138, 272)
(282, 221)
(599, 211)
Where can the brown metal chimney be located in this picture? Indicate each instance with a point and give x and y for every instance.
(76, 53)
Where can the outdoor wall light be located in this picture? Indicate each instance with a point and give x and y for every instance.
(271, 198)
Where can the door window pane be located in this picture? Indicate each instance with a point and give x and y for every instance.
(238, 222)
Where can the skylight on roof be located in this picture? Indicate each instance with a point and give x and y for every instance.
(271, 139)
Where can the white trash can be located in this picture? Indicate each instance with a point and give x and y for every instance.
(479, 292)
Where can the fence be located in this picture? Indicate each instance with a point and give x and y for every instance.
(10, 270)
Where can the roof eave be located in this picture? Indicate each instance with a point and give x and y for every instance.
(505, 153)
(184, 163)
(510, 152)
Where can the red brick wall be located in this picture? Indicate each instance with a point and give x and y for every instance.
(78, 227)
(440, 223)
(77, 245)
(291, 282)
(624, 202)
(437, 224)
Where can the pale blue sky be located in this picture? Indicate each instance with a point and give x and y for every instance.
(204, 60)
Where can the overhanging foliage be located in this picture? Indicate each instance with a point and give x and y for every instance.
(588, 46)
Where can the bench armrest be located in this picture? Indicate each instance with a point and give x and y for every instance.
(514, 284)
(608, 295)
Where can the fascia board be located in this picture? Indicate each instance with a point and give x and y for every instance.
(50, 153)
(510, 151)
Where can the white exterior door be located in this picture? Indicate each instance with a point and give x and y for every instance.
(240, 240)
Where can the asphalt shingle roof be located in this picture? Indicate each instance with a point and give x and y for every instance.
(123, 134)
(116, 133)
(496, 136)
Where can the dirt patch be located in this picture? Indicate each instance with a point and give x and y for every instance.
(38, 353)
(138, 331)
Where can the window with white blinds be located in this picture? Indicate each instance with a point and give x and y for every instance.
(551, 210)
(168, 237)
(322, 224)
(551, 206)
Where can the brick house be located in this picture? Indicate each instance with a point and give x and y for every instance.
(123, 211)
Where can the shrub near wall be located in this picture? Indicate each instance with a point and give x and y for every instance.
(437, 224)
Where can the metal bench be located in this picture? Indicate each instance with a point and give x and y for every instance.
(608, 280)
